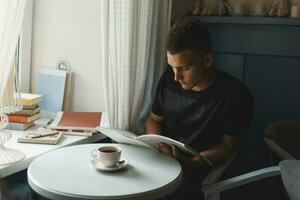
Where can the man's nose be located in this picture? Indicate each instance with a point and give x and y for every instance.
(176, 75)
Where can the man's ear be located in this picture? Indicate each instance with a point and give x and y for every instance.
(208, 60)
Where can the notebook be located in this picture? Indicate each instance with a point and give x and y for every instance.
(51, 84)
(51, 139)
(78, 123)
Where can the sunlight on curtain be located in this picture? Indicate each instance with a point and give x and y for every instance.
(11, 19)
(133, 41)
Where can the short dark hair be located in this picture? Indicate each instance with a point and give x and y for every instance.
(188, 34)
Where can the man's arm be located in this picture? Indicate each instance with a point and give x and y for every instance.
(217, 155)
(220, 153)
(154, 124)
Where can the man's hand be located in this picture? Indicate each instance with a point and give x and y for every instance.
(187, 161)
(184, 158)
(166, 149)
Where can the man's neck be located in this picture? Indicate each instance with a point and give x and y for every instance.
(207, 81)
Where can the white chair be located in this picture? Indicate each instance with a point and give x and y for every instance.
(283, 137)
(288, 169)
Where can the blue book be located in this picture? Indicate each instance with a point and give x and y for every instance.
(18, 126)
(51, 84)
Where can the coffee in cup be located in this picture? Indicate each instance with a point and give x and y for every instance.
(109, 156)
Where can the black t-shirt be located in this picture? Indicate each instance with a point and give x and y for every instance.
(200, 119)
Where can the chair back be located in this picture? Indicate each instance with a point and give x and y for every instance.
(283, 138)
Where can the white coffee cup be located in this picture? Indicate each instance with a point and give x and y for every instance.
(109, 156)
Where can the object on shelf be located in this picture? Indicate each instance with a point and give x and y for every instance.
(259, 10)
(219, 8)
(198, 7)
(223, 7)
(216, 8)
(283, 8)
(280, 8)
(295, 11)
(238, 10)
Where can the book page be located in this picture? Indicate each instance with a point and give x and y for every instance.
(120, 136)
(152, 140)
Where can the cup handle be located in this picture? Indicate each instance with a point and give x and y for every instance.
(94, 153)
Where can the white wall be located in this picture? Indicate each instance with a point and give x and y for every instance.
(70, 29)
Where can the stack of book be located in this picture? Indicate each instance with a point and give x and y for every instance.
(31, 111)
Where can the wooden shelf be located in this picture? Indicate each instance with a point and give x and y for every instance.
(249, 20)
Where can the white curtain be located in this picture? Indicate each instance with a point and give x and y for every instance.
(133, 57)
(11, 19)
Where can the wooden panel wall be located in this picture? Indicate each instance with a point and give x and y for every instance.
(266, 57)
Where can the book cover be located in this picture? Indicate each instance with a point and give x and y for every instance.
(30, 99)
(147, 140)
(19, 126)
(77, 121)
(51, 139)
(51, 84)
(23, 119)
(28, 112)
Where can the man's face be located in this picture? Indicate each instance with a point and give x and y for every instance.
(188, 67)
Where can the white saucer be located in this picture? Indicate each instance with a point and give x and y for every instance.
(98, 165)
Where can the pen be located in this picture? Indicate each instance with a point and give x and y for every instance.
(37, 135)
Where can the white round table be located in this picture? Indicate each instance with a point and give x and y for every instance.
(66, 174)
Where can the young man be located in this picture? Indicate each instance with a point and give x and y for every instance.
(199, 105)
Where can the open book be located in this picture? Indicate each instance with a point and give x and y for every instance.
(148, 140)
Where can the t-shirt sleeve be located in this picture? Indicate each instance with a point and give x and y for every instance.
(238, 113)
(158, 99)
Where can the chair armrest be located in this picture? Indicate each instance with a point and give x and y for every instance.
(215, 189)
(216, 173)
(283, 154)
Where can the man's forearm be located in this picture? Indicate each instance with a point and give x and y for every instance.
(216, 155)
(152, 126)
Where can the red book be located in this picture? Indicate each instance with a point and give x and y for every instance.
(81, 119)
(23, 119)
(85, 121)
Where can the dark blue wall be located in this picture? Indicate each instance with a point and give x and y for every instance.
(265, 54)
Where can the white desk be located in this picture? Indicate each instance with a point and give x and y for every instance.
(66, 174)
(32, 151)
